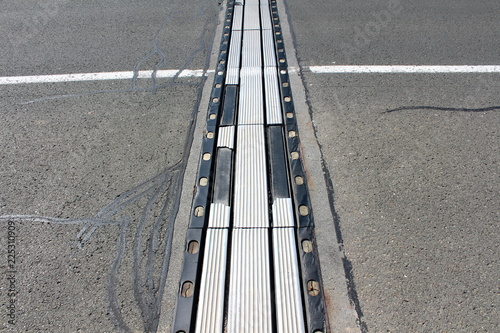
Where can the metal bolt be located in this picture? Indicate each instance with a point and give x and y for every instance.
(313, 288)
(307, 245)
(203, 181)
(303, 210)
(299, 180)
(193, 247)
(199, 211)
(187, 289)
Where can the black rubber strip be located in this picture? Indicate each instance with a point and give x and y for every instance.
(223, 176)
(230, 104)
(277, 164)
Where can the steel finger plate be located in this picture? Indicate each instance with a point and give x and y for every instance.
(251, 55)
(251, 104)
(265, 16)
(283, 213)
(250, 190)
(237, 18)
(249, 309)
(233, 62)
(226, 137)
(272, 95)
(268, 48)
(289, 314)
(210, 316)
(251, 17)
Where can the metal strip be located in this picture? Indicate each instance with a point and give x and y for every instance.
(226, 137)
(250, 190)
(265, 16)
(268, 48)
(251, 50)
(273, 101)
(237, 18)
(233, 62)
(283, 213)
(210, 316)
(249, 309)
(289, 315)
(251, 103)
(251, 17)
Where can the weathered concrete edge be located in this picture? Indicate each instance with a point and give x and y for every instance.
(189, 183)
(341, 313)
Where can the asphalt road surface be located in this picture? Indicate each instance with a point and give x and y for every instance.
(91, 172)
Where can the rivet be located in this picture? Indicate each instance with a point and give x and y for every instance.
(303, 210)
(203, 181)
(193, 247)
(282, 61)
(288, 99)
(187, 289)
(213, 116)
(289, 115)
(215, 100)
(206, 156)
(307, 245)
(199, 211)
(292, 134)
(285, 84)
(299, 180)
(210, 135)
(220, 73)
(313, 288)
(218, 85)
(283, 71)
(295, 155)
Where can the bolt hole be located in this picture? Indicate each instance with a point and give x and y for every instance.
(193, 247)
(215, 100)
(187, 289)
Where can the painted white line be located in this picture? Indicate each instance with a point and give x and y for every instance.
(403, 69)
(165, 73)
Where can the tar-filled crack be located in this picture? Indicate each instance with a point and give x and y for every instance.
(160, 193)
(440, 108)
(351, 286)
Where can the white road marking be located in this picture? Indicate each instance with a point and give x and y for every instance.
(77, 77)
(168, 73)
(403, 69)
